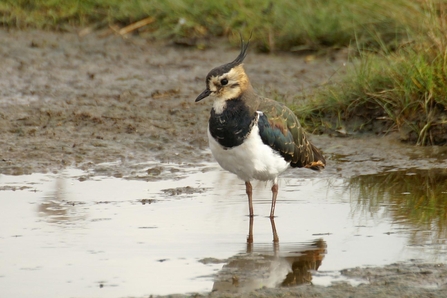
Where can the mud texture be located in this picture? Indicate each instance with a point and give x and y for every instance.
(72, 101)
(395, 280)
(125, 108)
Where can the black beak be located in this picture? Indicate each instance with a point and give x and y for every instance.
(204, 94)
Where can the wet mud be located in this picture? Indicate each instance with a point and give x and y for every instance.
(72, 101)
(124, 109)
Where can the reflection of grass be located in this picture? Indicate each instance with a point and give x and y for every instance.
(414, 197)
(285, 24)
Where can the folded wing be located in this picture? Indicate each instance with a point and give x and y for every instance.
(280, 129)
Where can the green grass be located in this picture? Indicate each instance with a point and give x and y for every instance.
(403, 90)
(276, 25)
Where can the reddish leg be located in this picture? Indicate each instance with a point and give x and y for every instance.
(250, 236)
(275, 234)
(274, 196)
(249, 191)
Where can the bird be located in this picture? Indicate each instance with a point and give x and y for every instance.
(254, 137)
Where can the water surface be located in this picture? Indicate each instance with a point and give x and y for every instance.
(72, 234)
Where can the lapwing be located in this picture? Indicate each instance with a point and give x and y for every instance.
(254, 137)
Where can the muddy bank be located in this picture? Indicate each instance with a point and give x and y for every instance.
(395, 280)
(72, 101)
(125, 108)
(82, 101)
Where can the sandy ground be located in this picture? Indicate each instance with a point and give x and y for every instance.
(70, 101)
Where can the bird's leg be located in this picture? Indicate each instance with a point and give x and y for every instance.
(250, 236)
(249, 191)
(275, 234)
(274, 196)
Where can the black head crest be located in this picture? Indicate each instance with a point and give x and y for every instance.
(218, 71)
(243, 53)
(227, 67)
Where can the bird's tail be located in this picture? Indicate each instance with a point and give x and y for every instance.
(316, 162)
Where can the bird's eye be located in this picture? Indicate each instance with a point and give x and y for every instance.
(223, 82)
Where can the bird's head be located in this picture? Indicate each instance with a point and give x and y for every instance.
(227, 81)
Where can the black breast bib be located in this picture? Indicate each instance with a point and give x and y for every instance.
(233, 125)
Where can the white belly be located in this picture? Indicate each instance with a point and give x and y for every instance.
(251, 160)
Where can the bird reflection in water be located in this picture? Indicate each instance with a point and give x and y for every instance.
(272, 265)
(302, 266)
(56, 207)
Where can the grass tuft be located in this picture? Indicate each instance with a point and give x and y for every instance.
(403, 91)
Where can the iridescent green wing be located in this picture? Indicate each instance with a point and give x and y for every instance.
(280, 129)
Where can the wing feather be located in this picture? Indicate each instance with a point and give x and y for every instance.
(280, 129)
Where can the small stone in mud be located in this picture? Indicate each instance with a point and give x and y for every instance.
(174, 170)
(147, 201)
(155, 171)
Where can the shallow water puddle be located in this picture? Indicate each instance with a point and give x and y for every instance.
(111, 237)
